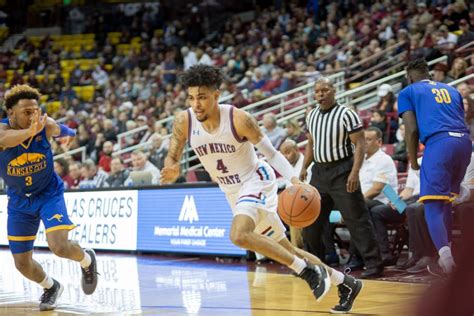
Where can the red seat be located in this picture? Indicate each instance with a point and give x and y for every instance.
(191, 176)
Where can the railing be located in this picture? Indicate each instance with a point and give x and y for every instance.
(348, 97)
(279, 101)
(81, 150)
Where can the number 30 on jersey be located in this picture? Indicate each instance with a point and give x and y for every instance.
(441, 95)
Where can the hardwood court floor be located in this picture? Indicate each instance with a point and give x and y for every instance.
(150, 285)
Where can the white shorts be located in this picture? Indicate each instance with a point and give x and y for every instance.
(258, 199)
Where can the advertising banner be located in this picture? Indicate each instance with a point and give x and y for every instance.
(192, 220)
(105, 220)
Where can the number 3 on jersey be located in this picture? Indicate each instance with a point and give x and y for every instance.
(28, 181)
(221, 167)
(442, 95)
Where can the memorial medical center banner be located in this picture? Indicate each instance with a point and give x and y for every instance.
(183, 220)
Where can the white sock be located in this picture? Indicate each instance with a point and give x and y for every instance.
(446, 260)
(86, 261)
(336, 277)
(298, 265)
(47, 283)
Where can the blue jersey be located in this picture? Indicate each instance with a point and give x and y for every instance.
(28, 168)
(438, 108)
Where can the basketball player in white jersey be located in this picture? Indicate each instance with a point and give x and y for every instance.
(224, 137)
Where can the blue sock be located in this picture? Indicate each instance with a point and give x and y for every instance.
(448, 220)
(438, 218)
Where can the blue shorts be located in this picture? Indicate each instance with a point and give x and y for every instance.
(444, 165)
(25, 213)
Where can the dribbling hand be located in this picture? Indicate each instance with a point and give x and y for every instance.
(169, 174)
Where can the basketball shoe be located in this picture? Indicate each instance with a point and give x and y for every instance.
(89, 274)
(318, 279)
(348, 291)
(50, 296)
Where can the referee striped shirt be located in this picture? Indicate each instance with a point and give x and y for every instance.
(330, 130)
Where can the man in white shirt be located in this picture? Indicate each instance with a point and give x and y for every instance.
(140, 163)
(189, 57)
(378, 169)
(275, 133)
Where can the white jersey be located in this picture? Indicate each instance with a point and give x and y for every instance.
(228, 159)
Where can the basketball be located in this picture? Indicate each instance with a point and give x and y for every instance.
(299, 205)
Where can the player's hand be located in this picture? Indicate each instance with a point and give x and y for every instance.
(169, 174)
(295, 180)
(415, 165)
(303, 174)
(352, 182)
(38, 122)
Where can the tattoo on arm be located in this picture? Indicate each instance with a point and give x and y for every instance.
(177, 140)
(250, 129)
(251, 123)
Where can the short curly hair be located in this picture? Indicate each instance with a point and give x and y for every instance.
(419, 66)
(202, 76)
(20, 92)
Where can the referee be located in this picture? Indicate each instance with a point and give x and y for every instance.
(336, 144)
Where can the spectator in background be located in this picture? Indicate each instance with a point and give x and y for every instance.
(440, 73)
(275, 133)
(378, 170)
(293, 131)
(189, 57)
(203, 57)
(387, 103)
(105, 156)
(446, 41)
(468, 102)
(75, 174)
(458, 70)
(109, 131)
(379, 121)
(62, 169)
(423, 16)
(92, 177)
(140, 162)
(118, 175)
(466, 36)
(158, 151)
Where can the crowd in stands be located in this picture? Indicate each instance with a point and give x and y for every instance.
(120, 71)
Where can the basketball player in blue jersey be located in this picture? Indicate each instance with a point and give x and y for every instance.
(224, 139)
(35, 192)
(433, 113)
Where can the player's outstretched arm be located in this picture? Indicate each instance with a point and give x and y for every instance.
(13, 137)
(247, 127)
(58, 130)
(172, 170)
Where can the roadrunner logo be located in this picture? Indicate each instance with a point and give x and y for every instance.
(57, 217)
(26, 164)
(188, 210)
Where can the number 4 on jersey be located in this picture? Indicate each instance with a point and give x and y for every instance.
(221, 167)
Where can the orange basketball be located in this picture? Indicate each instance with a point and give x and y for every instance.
(299, 205)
